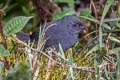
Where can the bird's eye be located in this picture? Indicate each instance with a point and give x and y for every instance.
(75, 25)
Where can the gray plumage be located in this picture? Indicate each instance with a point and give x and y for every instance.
(65, 32)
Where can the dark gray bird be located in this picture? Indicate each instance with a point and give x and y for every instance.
(65, 31)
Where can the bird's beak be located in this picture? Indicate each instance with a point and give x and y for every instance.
(82, 28)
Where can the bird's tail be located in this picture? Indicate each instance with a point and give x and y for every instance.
(23, 36)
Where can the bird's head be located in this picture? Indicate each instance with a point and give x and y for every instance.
(74, 23)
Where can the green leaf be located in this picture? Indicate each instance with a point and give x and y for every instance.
(20, 72)
(15, 25)
(65, 1)
(107, 6)
(85, 12)
(117, 24)
(111, 19)
(91, 19)
(106, 72)
(118, 68)
(59, 14)
(70, 58)
(3, 51)
(96, 68)
(61, 50)
(100, 38)
(106, 26)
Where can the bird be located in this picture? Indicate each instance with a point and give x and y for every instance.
(64, 31)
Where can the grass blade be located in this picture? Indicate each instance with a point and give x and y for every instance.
(107, 6)
(100, 38)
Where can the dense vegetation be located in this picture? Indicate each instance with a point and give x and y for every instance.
(95, 55)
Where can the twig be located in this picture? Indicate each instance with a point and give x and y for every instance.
(62, 64)
(48, 67)
(96, 16)
(36, 73)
